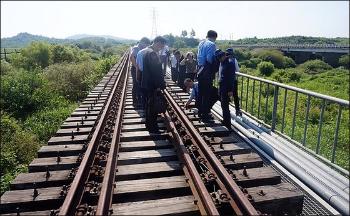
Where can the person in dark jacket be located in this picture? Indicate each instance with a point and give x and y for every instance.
(229, 53)
(226, 84)
(152, 80)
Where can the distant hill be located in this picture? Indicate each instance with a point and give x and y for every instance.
(293, 40)
(24, 39)
(82, 36)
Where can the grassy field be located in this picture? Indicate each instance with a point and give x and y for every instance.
(334, 82)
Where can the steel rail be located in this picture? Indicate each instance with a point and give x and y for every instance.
(205, 200)
(225, 177)
(210, 171)
(106, 192)
(76, 189)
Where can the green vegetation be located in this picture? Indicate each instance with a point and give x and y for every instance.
(266, 68)
(293, 40)
(314, 67)
(40, 87)
(345, 61)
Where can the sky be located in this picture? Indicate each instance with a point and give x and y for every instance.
(133, 19)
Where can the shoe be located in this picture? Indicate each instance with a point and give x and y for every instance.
(229, 127)
(238, 113)
(210, 116)
(155, 132)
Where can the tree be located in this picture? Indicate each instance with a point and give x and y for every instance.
(184, 33)
(266, 68)
(344, 61)
(193, 33)
(170, 38)
(179, 44)
(62, 53)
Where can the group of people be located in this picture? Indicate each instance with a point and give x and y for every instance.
(182, 67)
(149, 62)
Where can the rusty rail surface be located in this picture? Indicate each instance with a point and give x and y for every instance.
(207, 206)
(219, 170)
(76, 190)
(105, 199)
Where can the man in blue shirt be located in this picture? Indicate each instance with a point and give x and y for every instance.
(136, 94)
(206, 73)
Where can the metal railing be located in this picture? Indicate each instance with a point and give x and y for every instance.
(263, 98)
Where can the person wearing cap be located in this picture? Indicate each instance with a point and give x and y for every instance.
(136, 94)
(152, 80)
(229, 53)
(226, 82)
(206, 72)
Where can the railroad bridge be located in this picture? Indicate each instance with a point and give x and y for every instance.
(302, 53)
(103, 161)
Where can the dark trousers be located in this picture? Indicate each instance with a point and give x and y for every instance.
(151, 115)
(164, 63)
(136, 94)
(225, 101)
(235, 95)
(180, 79)
(205, 84)
(204, 89)
(173, 74)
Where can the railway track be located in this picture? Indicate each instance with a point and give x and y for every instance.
(103, 161)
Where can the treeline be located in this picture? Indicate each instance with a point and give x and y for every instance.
(293, 40)
(24, 39)
(40, 87)
(188, 40)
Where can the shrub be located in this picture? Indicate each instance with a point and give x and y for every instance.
(68, 79)
(62, 53)
(253, 62)
(17, 144)
(18, 148)
(288, 62)
(274, 56)
(46, 122)
(242, 54)
(5, 67)
(20, 94)
(314, 66)
(37, 54)
(266, 68)
(344, 61)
